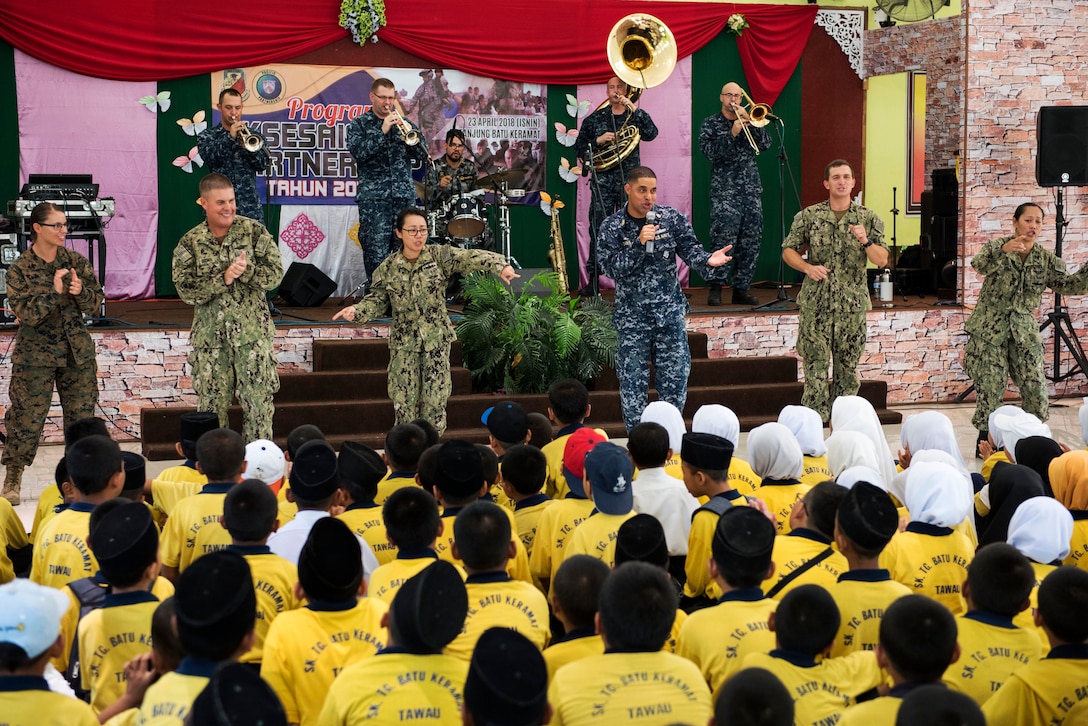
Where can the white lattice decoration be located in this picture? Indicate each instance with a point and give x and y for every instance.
(846, 27)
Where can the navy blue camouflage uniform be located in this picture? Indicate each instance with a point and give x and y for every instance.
(228, 157)
(736, 212)
(383, 166)
(650, 306)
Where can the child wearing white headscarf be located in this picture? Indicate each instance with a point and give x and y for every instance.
(1041, 529)
(805, 425)
(778, 462)
(713, 418)
(669, 417)
(847, 449)
(991, 449)
(854, 413)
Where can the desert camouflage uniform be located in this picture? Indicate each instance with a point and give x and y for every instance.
(650, 306)
(428, 102)
(1004, 333)
(383, 165)
(736, 212)
(232, 330)
(831, 323)
(421, 331)
(51, 345)
(463, 181)
(611, 198)
(226, 156)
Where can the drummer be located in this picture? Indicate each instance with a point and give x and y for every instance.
(452, 176)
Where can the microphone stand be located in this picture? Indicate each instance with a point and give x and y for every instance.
(779, 303)
(594, 226)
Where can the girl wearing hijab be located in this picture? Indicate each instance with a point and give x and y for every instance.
(778, 462)
(1069, 480)
(848, 449)
(1040, 528)
(1036, 453)
(854, 413)
(1010, 485)
(669, 417)
(805, 425)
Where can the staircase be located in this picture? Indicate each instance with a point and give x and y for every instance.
(345, 396)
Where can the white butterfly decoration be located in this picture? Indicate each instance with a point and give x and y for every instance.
(195, 125)
(567, 172)
(185, 163)
(577, 108)
(161, 100)
(547, 205)
(565, 136)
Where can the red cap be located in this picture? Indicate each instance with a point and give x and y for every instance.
(574, 457)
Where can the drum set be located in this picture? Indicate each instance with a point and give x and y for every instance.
(475, 219)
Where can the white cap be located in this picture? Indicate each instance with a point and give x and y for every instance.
(264, 461)
(30, 615)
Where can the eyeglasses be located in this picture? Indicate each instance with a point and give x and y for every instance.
(415, 231)
(385, 98)
(55, 225)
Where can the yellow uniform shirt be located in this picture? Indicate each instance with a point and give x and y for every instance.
(174, 484)
(286, 510)
(638, 688)
(571, 646)
(815, 470)
(821, 691)
(596, 537)
(1026, 618)
(674, 634)
(862, 597)
(527, 514)
(494, 600)
(13, 535)
(393, 481)
(932, 561)
(553, 532)
(1044, 692)
(366, 521)
(742, 478)
(1078, 544)
(274, 581)
(168, 700)
(388, 578)
(109, 637)
(793, 550)
(193, 529)
(395, 686)
(62, 554)
(518, 565)
(703, 523)
(306, 650)
(717, 639)
(51, 498)
(780, 496)
(27, 701)
(991, 649)
(882, 710)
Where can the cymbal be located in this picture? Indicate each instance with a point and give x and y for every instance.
(510, 176)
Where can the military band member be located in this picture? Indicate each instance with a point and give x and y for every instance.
(451, 176)
(223, 151)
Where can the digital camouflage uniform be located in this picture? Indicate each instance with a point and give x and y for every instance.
(650, 306)
(232, 329)
(831, 322)
(736, 211)
(421, 331)
(1004, 334)
(463, 181)
(226, 156)
(611, 198)
(383, 165)
(52, 345)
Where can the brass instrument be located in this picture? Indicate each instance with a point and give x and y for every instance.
(556, 256)
(250, 141)
(410, 135)
(759, 115)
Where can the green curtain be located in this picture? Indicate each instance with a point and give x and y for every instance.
(9, 126)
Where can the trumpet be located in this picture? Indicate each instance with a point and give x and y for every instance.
(759, 115)
(410, 135)
(250, 141)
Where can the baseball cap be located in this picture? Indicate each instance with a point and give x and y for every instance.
(507, 422)
(609, 470)
(264, 461)
(574, 458)
(30, 615)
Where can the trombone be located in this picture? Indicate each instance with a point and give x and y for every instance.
(759, 115)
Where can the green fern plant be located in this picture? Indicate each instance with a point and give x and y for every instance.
(526, 342)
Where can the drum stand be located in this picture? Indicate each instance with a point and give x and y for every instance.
(504, 227)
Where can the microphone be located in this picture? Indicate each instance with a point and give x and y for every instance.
(651, 218)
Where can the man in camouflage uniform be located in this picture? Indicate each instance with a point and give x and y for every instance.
(650, 306)
(597, 133)
(224, 154)
(50, 289)
(450, 177)
(736, 211)
(383, 165)
(839, 237)
(428, 102)
(223, 266)
(412, 281)
(1004, 333)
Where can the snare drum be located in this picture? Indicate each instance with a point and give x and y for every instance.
(466, 218)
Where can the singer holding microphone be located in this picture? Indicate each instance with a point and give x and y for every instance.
(639, 247)
(831, 243)
(223, 152)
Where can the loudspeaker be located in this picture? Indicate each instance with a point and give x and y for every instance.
(946, 192)
(518, 284)
(1061, 133)
(944, 238)
(305, 286)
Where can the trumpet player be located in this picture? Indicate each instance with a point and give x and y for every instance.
(223, 152)
(730, 143)
(599, 132)
(383, 143)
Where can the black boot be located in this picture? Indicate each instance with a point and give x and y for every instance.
(714, 297)
(743, 297)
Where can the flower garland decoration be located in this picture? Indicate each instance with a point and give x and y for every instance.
(363, 18)
(735, 24)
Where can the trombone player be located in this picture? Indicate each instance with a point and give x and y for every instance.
(731, 143)
(224, 152)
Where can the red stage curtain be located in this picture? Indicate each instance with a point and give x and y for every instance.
(562, 41)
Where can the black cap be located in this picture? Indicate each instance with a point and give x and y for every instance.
(706, 451)
(460, 469)
(744, 532)
(126, 541)
(195, 424)
(135, 471)
(360, 464)
(330, 565)
(214, 602)
(507, 422)
(868, 516)
(237, 696)
(313, 471)
(642, 539)
(429, 609)
(507, 680)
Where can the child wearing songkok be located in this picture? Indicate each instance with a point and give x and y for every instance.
(671, 419)
(524, 473)
(641, 539)
(778, 462)
(29, 636)
(804, 626)
(936, 705)
(1069, 480)
(999, 581)
(214, 608)
(655, 492)
(865, 522)
(249, 514)
(298, 436)
(361, 468)
(568, 407)
(753, 697)
(805, 555)
(404, 444)
(507, 681)
(61, 554)
(540, 429)
(854, 413)
(634, 681)
(1051, 690)
(917, 645)
(558, 521)
(237, 696)
(1040, 530)
(574, 597)
(713, 418)
(931, 557)
(177, 482)
(411, 678)
(135, 476)
(805, 425)
(412, 524)
(706, 459)
(609, 473)
(483, 541)
(716, 639)
(306, 648)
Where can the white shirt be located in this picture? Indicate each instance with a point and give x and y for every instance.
(287, 541)
(666, 499)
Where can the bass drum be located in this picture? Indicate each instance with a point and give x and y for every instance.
(466, 218)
